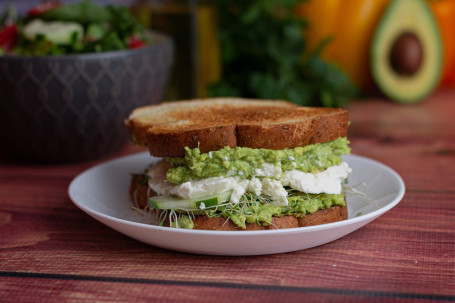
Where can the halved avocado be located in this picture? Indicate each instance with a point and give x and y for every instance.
(406, 51)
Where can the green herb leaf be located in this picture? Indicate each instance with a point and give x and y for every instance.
(263, 56)
(84, 12)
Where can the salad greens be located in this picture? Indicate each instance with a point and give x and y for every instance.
(52, 28)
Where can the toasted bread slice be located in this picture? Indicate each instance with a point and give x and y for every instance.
(215, 123)
(139, 194)
(323, 216)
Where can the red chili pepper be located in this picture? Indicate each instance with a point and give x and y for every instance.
(8, 37)
(135, 42)
(43, 7)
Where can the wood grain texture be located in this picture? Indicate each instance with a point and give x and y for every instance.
(50, 251)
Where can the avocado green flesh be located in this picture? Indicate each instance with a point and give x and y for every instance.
(183, 222)
(415, 17)
(256, 211)
(242, 161)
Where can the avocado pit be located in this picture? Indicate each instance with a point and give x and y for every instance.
(406, 54)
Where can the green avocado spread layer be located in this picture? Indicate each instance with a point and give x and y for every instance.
(255, 210)
(242, 161)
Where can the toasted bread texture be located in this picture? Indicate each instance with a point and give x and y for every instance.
(211, 124)
(139, 194)
(323, 216)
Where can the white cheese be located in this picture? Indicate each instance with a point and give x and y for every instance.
(157, 181)
(328, 181)
(54, 31)
(204, 187)
(239, 189)
(268, 181)
(275, 190)
(255, 186)
(268, 170)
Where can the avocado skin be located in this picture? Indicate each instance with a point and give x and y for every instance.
(415, 17)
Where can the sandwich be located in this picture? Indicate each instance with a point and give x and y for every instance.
(241, 164)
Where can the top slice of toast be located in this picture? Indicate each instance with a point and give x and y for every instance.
(215, 123)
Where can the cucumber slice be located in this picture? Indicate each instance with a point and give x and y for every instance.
(166, 202)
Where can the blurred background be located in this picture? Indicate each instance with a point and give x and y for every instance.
(317, 53)
(321, 52)
(24, 5)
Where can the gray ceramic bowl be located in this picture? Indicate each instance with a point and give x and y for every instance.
(72, 108)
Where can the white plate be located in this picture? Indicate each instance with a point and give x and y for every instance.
(102, 192)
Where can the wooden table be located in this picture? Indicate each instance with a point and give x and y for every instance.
(50, 251)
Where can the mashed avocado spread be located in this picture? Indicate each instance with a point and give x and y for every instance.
(256, 211)
(242, 161)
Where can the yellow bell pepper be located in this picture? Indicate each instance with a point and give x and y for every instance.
(350, 26)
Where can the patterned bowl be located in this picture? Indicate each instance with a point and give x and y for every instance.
(72, 108)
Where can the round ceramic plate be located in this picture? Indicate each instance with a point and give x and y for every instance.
(102, 192)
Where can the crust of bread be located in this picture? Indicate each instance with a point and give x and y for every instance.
(139, 194)
(211, 124)
(323, 216)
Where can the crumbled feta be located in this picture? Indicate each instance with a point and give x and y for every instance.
(231, 172)
(267, 181)
(268, 170)
(239, 189)
(204, 187)
(157, 181)
(328, 181)
(275, 190)
(255, 186)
